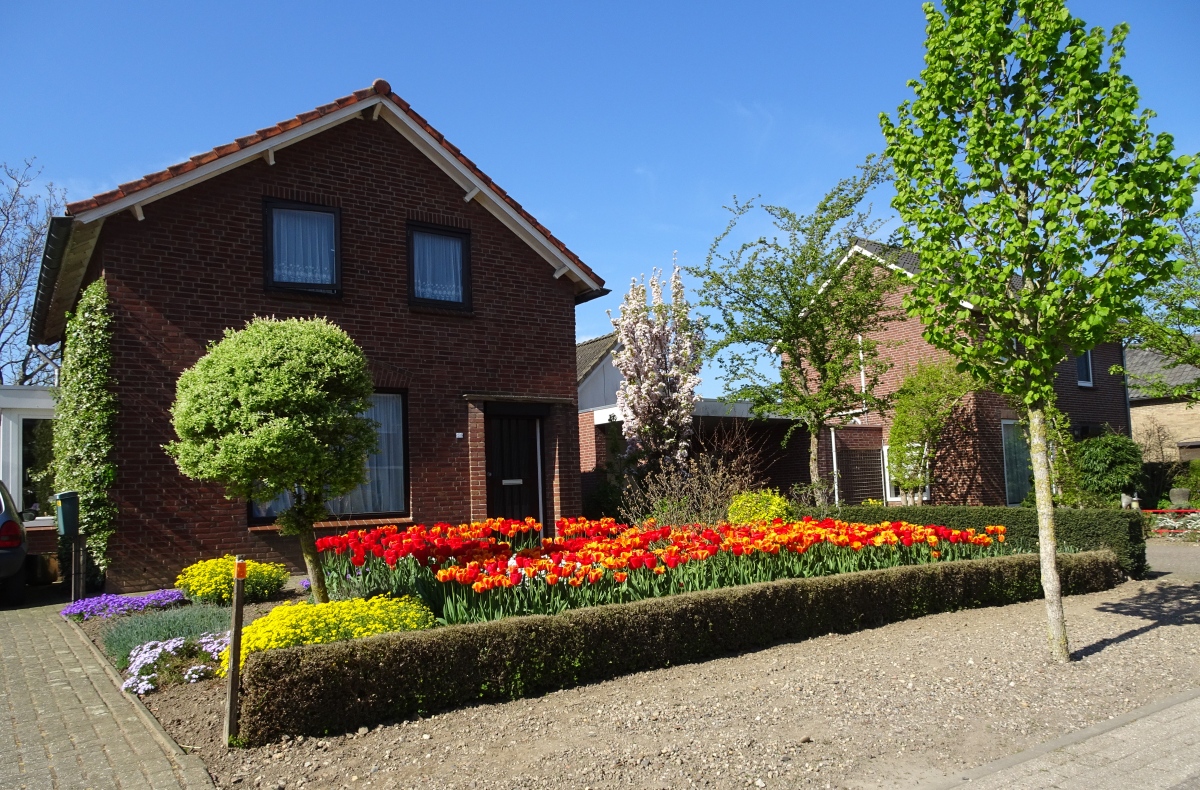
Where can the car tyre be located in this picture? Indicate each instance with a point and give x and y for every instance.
(14, 588)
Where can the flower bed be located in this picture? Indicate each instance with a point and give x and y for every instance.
(177, 660)
(107, 605)
(339, 687)
(474, 573)
(211, 581)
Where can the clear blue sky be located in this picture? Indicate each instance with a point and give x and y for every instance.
(624, 127)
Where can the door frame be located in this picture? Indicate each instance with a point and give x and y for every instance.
(538, 411)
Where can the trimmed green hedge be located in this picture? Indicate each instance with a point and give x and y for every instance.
(338, 687)
(1120, 531)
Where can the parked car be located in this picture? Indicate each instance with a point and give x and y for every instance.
(12, 550)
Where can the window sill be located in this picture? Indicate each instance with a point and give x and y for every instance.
(1083, 386)
(276, 290)
(434, 309)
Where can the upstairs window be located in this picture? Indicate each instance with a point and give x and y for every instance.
(439, 267)
(302, 247)
(1083, 366)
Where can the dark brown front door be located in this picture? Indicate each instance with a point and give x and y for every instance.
(513, 467)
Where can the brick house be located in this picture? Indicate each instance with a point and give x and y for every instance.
(1168, 429)
(983, 458)
(361, 212)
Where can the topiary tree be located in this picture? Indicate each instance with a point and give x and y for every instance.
(276, 408)
(85, 411)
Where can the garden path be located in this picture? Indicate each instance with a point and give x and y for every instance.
(63, 721)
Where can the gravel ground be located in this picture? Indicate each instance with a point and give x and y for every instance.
(898, 706)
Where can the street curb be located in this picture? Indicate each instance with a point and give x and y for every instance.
(1068, 740)
(191, 767)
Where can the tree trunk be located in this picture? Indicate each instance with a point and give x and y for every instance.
(1048, 547)
(814, 468)
(312, 562)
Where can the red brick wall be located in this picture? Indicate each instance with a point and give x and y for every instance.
(969, 466)
(194, 267)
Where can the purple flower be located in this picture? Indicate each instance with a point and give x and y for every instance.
(107, 605)
(305, 585)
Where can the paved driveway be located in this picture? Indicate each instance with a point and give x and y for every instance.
(1174, 558)
(64, 723)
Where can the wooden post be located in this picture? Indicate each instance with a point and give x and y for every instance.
(235, 650)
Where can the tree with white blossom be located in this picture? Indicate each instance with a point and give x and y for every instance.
(659, 353)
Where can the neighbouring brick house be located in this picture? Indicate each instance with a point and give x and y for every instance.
(983, 458)
(362, 212)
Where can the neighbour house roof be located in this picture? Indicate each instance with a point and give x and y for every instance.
(73, 237)
(908, 261)
(1147, 366)
(589, 353)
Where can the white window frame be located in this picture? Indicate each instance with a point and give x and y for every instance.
(1091, 370)
(887, 482)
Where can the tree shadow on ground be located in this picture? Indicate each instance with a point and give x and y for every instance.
(1167, 604)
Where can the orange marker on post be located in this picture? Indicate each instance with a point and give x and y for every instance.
(235, 650)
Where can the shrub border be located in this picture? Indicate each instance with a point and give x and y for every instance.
(338, 687)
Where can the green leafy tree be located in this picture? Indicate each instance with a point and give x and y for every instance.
(84, 428)
(1170, 322)
(921, 409)
(276, 408)
(1039, 201)
(797, 315)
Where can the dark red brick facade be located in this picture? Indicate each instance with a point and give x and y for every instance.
(969, 465)
(194, 267)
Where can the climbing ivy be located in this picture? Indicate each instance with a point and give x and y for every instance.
(85, 417)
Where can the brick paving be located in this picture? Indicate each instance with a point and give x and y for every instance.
(65, 724)
(1153, 748)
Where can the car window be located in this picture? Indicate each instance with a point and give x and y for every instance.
(9, 507)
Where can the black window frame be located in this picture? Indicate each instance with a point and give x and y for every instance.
(465, 306)
(269, 281)
(256, 521)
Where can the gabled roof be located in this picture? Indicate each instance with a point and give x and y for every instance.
(1146, 365)
(375, 102)
(589, 353)
(908, 261)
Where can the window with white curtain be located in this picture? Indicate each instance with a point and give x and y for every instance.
(302, 247)
(384, 492)
(1018, 471)
(439, 266)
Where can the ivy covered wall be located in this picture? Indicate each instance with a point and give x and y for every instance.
(85, 416)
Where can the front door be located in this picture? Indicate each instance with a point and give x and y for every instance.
(514, 464)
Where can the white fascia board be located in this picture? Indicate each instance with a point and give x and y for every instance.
(894, 267)
(606, 415)
(878, 259)
(228, 162)
(467, 180)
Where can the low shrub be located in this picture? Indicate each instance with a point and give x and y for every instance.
(1120, 531)
(315, 624)
(752, 507)
(107, 605)
(335, 688)
(211, 581)
(121, 635)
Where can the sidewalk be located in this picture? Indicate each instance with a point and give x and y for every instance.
(65, 724)
(1156, 747)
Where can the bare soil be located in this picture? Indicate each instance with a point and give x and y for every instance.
(906, 705)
